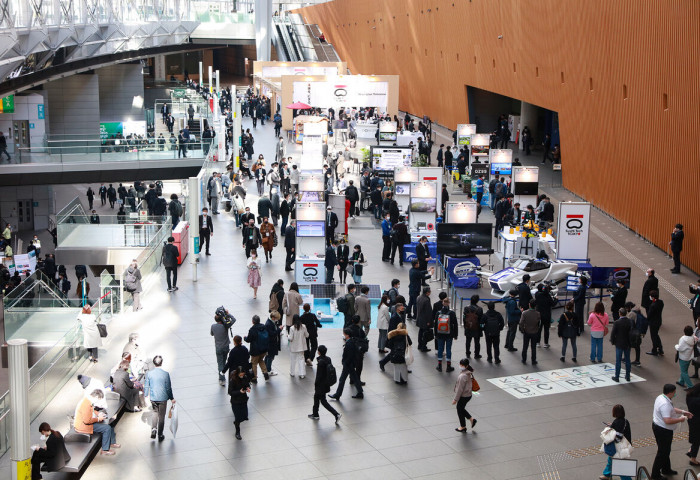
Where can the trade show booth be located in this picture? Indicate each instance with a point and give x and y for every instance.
(403, 176)
(312, 125)
(464, 133)
(524, 185)
(423, 208)
(310, 241)
(501, 162)
(386, 159)
(479, 145)
(461, 212)
(387, 132)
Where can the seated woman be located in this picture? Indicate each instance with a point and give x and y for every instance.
(54, 455)
(88, 420)
(127, 389)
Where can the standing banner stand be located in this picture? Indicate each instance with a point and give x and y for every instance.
(387, 133)
(236, 143)
(403, 176)
(476, 169)
(514, 127)
(464, 133)
(524, 186)
(479, 146)
(423, 210)
(460, 212)
(573, 230)
(310, 242)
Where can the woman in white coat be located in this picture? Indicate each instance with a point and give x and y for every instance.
(383, 322)
(91, 335)
(297, 345)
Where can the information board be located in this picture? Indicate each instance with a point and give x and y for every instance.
(389, 158)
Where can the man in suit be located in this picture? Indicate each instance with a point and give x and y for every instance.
(580, 301)
(206, 230)
(290, 235)
(251, 237)
(362, 308)
(416, 277)
(164, 111)
(170, 254)
(619, 298)
(331, 225)
(651, 283)
(331, 260)
(513, 215)
(423, 254)
(524, 293)
(676, 247)
(247, 217)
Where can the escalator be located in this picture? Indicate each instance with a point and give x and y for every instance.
(297, 41)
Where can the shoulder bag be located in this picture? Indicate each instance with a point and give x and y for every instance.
(102, 328)
(475, 385)
(409, 352)
(605, 328)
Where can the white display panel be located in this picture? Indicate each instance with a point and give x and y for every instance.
(345, 91)
(528, 176)
(405, 174)
(573, 230)
(501, 161)
(311, 211)
(479, 144)
(387, 131)
(309, 270)
(278, 71)
(464, 133)
(461, 212)
(311, 183)
(388, 158)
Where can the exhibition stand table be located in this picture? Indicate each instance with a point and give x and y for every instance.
(510, 244)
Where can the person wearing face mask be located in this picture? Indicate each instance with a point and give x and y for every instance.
(132, 284)
(269, 238)
(383, 323)
(54, 454)
(463, 393)
(251, 238)
(343, 256)
(386, 238)
(357, 260)
(246, 217)
(396, 318)
(88, 420)
(656, 307)
(651, 283)
(446, 330)
(423, 254)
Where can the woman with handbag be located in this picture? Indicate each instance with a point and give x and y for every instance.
(401, 354)
(622, 428)
(343, 256)
(598, 321)
(291, 304)
(568, 331)
(268, 234)
(685, 348)
(91, 334)
(357, 264)
(463, 393)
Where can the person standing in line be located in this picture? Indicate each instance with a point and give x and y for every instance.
(206, 230)
(90, 197)
(530, 326)
(399, 340)
(619, 297)
(513, 313)
(472, 319)
(620, 337)
(383, 316)
(312, 324)
(350, 353)
(424, 319)
(651, 283)
(446, 330)
(221, 345)
(598, 321)
(463, 393)
(298, 336)
(665, 421)
(685, 347)
(331, 225)
(568, 331)
(579, 298)
(692, 399)
(493, 325)
(238, 389)
(639, 322)
(170, 256)
(545, 302)
(676, 244)
(622, 427)
(259, 344)
(322, 385)
(656, 308)
(132, 284)
(158, 388)
(386, 238)
(290, 239)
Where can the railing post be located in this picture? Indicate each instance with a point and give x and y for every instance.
(20, 454)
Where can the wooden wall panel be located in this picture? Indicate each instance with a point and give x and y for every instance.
(626, 147)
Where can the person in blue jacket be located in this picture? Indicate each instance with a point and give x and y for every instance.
(386, 238)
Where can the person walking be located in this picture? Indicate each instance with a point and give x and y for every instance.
(463, 393)
(269, 238)
(568, 330)
(175, 210)
(350, 353)
(254, 277)
(493, 324)
(350, 306)
(259, 343)
(472, 319)
(685, 347)
(530, 326)
(91, 335)
(620, 337)
(239, 356)
(655, 310)
(170, 256)
(238, 389)
(513, 313)
(158, 388)
(598, 321)
(342, 253)
(622, 427)
(330, 262)
(291, 303)
(91, 197)
(692, 399)
(358, 262)
(251, 237)
(665, 421)
(399, 341)
(383, 316)
(206, 230)
(274, 327)
(446, 330)
(424, 319)
(221, 344)
(322, 385)
(312, 324)
(132, 284)
(297, 346)
(676, 244)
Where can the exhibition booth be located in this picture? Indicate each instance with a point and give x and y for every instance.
(310, 242)
(525, 186)
(311, 125)
(464, 133)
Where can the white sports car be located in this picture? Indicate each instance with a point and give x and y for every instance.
(554, 271)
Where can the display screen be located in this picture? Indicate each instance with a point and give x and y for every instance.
(388, 158)
(482, 150)
(525, 188)
(311, 229)
(402, 189)
(310, 196)
(501, 168)
(340, 125)
(607, 277)
(464, 238)
(387, 136)
(423, 204)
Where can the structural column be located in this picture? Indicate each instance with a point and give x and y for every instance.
(20, 453)
(528, 117)
(263, 29)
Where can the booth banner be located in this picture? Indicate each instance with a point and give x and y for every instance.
(409, 252)
(310, 271)
(391, 158)
(464, 133)
(340, 92)
(25, 262)
(573, 230)
(276, 72)
(462, 271)
(110, 129)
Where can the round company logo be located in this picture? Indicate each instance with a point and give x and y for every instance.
(462, 269)
(621, 274)
(574, 223)
(310, 272)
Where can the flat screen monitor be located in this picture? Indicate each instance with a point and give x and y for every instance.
(482, 150)
(388, 158)
(525, 188)
(311, 229)
(387, 136)
(423, 204)
(464, 238)
(310, 196)
(340, 125)
(607, 277)
(402, 188)
(501, 168)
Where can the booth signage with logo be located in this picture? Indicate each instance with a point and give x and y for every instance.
(345, 91)
(309, 271)
(573, 231)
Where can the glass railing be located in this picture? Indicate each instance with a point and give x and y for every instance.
(35, 289)
(123, 232)
(224, 11)
(73, 212)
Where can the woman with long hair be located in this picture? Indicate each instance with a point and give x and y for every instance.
(297, 345)
(463, 393)
(238, 389)
(598, 321)
(357, 261)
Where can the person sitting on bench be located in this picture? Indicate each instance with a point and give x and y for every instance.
(88, 420)
(54, 454)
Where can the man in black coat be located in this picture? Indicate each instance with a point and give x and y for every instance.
(322, 385)
(524, 293)
(376, 197)
(251, 237)
(350, 353)
(416, 277)
(353, 196)
(396, 318)
(247, 217)
(620, 337)
(500, 212)
(111, 195)
(619, 298)
(656, 308)
(284, 213)
(423, 253)
(103, 194)
(651, 283)
(399, 239)
(206, 230)
(547, 214)
(493, 324)
(289, 245)
(694, 290)
(331, 224)
(331, 261)
(580, 301)
(424, 318)
(170, 255)
(676, 247)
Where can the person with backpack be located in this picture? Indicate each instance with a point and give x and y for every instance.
(350, 353)
(221, 343)
(493, 323)
(312, 324)
(175, 210)
(446, 330)
(568, 330)
(472, 319)
(132, 284)
(325, 378)
(621, 338)
(346, 305)
(639, 330)
(259, 344)
(513, 313)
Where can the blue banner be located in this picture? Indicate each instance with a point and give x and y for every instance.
(409, 251)
(462, 271)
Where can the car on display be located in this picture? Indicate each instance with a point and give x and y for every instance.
(551, 272)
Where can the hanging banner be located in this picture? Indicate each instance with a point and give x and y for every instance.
(573, 231)
(347, 91)
(278, 71)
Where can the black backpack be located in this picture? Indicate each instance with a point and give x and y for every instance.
(331, 375)
(362, 344)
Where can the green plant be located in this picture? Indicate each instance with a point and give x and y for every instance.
(365, 154)
(422, 161)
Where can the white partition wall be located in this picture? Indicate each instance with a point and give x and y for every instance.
(403, 176)
(525, 185)
(464, 133)
(423, 207)
(479, 147)
(310, 242)
(500, 161)
(434, 175)
(460, 212)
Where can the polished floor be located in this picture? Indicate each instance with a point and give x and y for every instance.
(395, 432)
